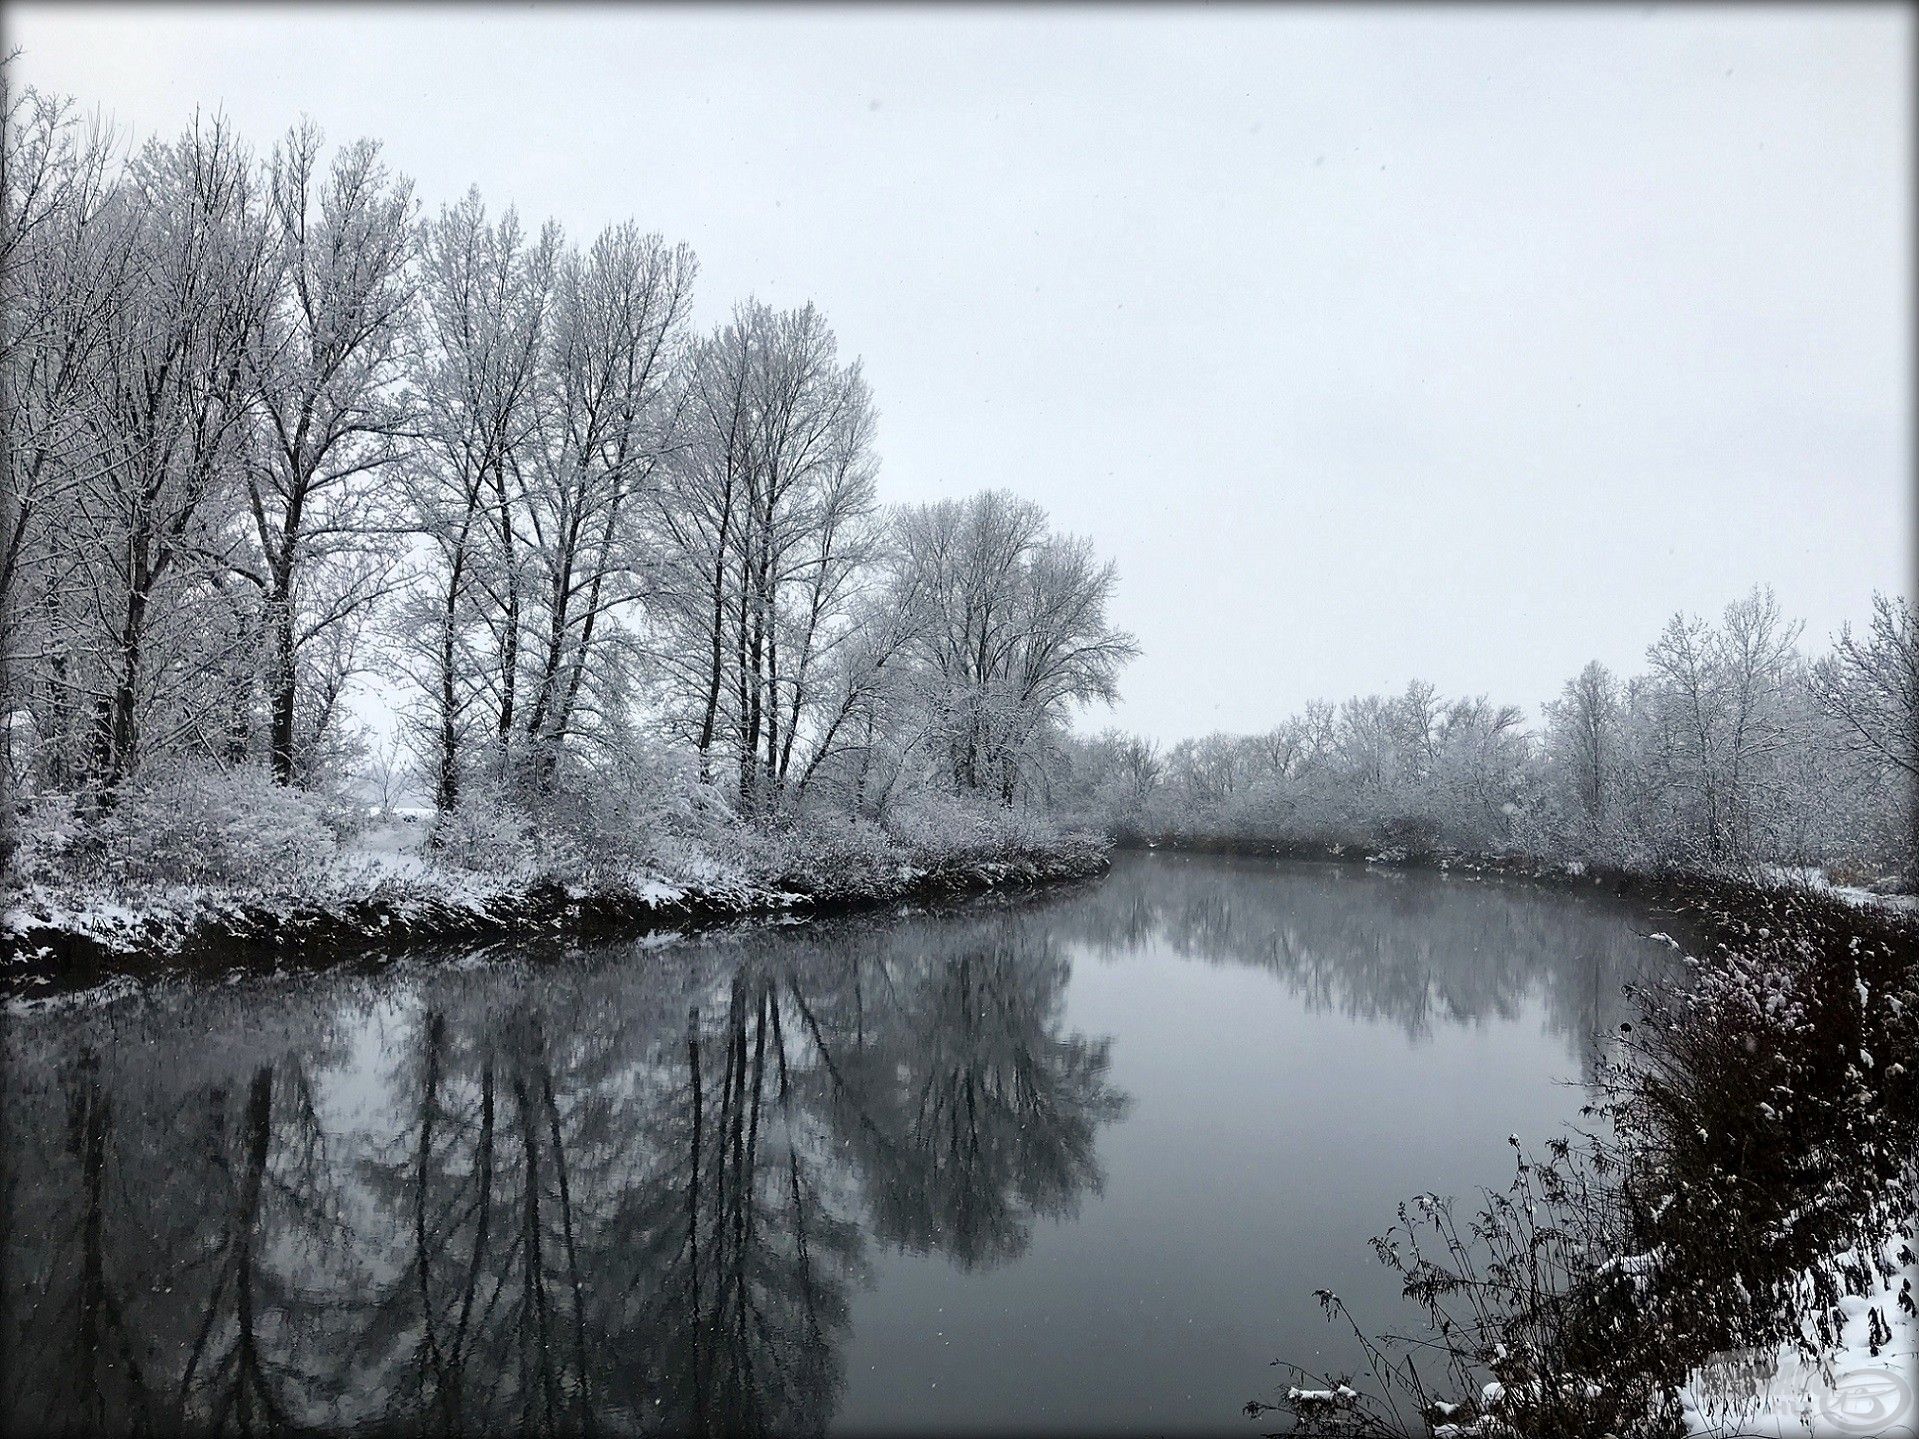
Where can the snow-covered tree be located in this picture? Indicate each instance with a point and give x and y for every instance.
(1013, 632)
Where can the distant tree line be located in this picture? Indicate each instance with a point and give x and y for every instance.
(269, 427)
(1732, 748)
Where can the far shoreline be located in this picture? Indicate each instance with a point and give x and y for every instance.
(1644, 885)
(52, 953)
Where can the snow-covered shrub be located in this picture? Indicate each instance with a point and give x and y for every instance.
(706, 843)
(935, 825)
(50, 834)
(1026, 830)
(637, 811)
(1763, 1106)
(934, 822)
(613, 812)
(1754, 1153)
(205, 824)
(489, 834)
(827, 853)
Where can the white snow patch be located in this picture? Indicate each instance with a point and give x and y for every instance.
(1854, 1392)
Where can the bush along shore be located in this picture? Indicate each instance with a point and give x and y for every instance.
(1739, 1212)
(203, 870)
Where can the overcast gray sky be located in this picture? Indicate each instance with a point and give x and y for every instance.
(1371, 343)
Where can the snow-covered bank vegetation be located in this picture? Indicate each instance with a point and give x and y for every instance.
(1733, 752)
(210, 862)
(1751, 1154)
(275, 437)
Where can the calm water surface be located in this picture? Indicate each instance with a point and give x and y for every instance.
(1073, 1162)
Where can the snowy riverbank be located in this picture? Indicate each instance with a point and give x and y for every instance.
(1729, 1246)
(1866, 1380)
(385, 892)
(1543, 870)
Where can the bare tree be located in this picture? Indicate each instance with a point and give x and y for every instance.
(1415, 719)
(342, 240)
(1142, 766)
(866, 724)
(484, 291)
(168, 417)
(605, 423)
(1585, 738)
(1758, 655)
(765, 526)
(1871, 684)
(1479, 752)
(1365, 742)
(388, 772)
(1869, 687)
(57, 285)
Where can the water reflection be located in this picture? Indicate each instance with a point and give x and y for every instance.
(632, 1191)
(622, 1193)
(965, 1109)
(164, 1214)
(1415, 949)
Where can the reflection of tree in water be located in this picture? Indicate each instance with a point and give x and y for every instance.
(628, 1195)
(968, 1111)
(1417, 949)
(163, 1214)
(602, 1226)
(699, 1237)
(257, 1359)
(75, 1351)
(735, 1247)
(479, 1323)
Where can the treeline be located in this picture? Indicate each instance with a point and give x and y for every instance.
(1733, 748)
(271, 428)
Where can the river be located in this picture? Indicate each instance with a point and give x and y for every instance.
(1070, 1161)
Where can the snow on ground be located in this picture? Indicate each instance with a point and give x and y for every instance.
(1855, 1392)
(387, 868)
(1809, 876)
(386, 857)
(657, 892)
(392, 848)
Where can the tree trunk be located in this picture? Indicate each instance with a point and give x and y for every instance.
(281, 708)
(510, 641)
(121, 728)
(446, 788)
